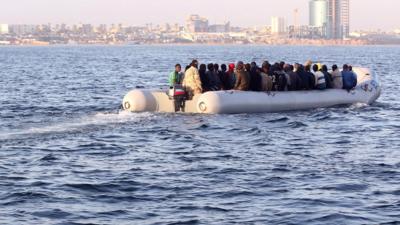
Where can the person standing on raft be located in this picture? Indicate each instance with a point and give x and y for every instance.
(191, 82)
(176, 77)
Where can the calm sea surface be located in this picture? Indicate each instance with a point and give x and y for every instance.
(69, 156)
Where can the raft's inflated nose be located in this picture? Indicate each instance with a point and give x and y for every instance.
(140, 101)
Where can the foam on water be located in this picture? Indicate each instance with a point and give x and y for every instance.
(78, 124)
(358, 105)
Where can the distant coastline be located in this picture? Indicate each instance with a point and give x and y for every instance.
(202, 44)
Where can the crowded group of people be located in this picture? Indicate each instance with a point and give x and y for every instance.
(279, 76)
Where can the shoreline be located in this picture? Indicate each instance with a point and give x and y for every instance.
(196, 44)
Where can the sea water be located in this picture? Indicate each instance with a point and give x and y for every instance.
(69, 155)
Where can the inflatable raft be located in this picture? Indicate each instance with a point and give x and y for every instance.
(230, 102)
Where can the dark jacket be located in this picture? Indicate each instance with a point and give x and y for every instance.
(225, 81)
(328, 79)
(218, 77)
(242, 80)
(304, 80)
(311, 80)
(214, 81)
(204, 80)
(349, 80)
(255, 80)
(295, 81)
(280, 81)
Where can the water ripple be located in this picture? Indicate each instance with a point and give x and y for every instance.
(69, 156)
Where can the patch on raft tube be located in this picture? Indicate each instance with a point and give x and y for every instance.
(202, 106)
(366, 88)
(127, 105)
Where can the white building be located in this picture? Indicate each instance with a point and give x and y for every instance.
(22, 29)
(4, 29)
(196, 23)
(277, 25)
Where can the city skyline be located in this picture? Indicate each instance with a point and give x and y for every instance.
(139, 12)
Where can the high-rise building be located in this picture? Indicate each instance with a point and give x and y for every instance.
(277, 25)
(332, 16)
(195, 24)
(318, 18)
(318, 13)
(338, 19)
(345, 17)
(334, 28)
(4, 29)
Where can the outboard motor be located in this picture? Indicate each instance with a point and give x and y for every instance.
(178, 95)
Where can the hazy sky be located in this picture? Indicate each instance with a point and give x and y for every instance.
(365, 14)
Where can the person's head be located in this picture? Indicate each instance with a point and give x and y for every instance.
(315, 67)
(350, 68)
(308, 68)
(247, 67)
(187, 67)
(265, 66)
(286, 68)
(324, 68)
(253, 64)
(291, 67)
(210, 67)
(223, 68)
(203, 67)
(296, 66)
(194, 63)
(334, 67)
(308, 63)
(231, 67)
(240, 65)
(216, 67)
(281, 65)
(299, 68)
(274, 68)
(178, 68)
(345, 67)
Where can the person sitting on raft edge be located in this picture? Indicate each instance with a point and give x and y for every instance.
(349, 78)
(242, 78)
(191, 81)
(320, 82)
(176, 76)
